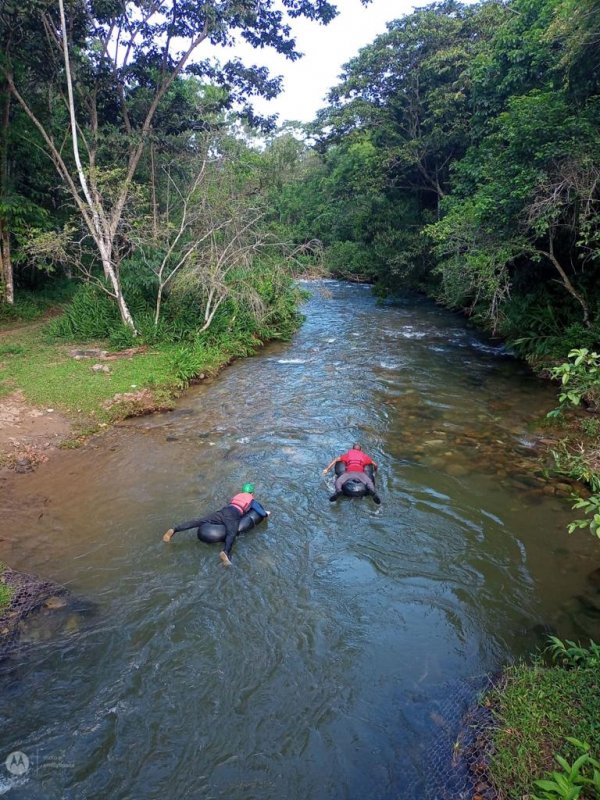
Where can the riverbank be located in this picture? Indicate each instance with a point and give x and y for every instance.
(545, 712)
(55, 394)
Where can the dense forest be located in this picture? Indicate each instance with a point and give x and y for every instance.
(459, 155)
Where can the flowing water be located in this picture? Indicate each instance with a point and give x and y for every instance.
(321, 664)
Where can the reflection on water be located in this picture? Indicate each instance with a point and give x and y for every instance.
(317, 666)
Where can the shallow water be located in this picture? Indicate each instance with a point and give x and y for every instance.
(322, 664)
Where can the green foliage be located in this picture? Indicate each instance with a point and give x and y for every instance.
(579, 377)
(573, 778)
(31, 305)
(349, 259)
(6, 592)
(121, 337)
(575, 464)
(91, 315)
(538, 709)
(591, 507)
(22, 311)
(187, 363)
(459, 155)
(590, 428)
(570, 654)
(12, 349)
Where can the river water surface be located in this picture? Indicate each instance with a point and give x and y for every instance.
(334, 655)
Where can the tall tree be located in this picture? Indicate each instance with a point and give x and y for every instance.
(114, 62)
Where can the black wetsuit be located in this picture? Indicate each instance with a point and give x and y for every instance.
(229, 516)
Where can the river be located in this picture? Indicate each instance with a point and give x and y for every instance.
(336, 653)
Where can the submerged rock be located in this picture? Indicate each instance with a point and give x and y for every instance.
(55, 602)
(590, 605)
(594, 578)
(457, 470)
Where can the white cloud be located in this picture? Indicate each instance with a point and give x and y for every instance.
(326, 49)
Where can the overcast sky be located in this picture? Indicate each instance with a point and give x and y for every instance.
(326, 49)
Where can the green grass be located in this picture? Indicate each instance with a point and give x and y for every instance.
(5, 595)
(49, 377)
(33, 305)
(6, 592)
(537, 708)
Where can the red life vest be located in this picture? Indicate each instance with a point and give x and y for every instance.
(356, 460)
(242, 501)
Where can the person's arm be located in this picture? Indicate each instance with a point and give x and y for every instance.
(259, 508)
(329, 466)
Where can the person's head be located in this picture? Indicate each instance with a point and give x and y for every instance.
(248, 487)
(356, 446)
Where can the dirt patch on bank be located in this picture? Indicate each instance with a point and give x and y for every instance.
(28, 434)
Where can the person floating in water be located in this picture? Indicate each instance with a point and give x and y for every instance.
(229, 516)
(355, 461)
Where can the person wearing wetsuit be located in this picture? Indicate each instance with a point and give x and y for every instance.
(355, 461)
(229, 516)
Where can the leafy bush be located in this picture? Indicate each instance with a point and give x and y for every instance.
(29, 305)
(591, 506)
(122, 337)
(570, 654)
(539, 324)
(349, 259)
(24, 310)
(580, 378)
(187, 362)
(574, 778)
(91, 315)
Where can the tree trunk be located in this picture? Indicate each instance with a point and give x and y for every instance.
(6, 269)
(567, 283)
(154, 200)
(98, 226)
(111, 275)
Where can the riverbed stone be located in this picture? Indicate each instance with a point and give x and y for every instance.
(91, 352)
(23, 465)
(55, 602)
(457, 470)
(563, 488)
(591, 605)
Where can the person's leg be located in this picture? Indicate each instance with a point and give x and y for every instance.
(231, 519)
(364, 478)
(356, 476)
(338, 483)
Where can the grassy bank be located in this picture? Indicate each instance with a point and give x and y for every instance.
(47, 374)
(96, 380)
(6, 592)
(545, 711)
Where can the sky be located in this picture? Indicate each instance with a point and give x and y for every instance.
(326, 49)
